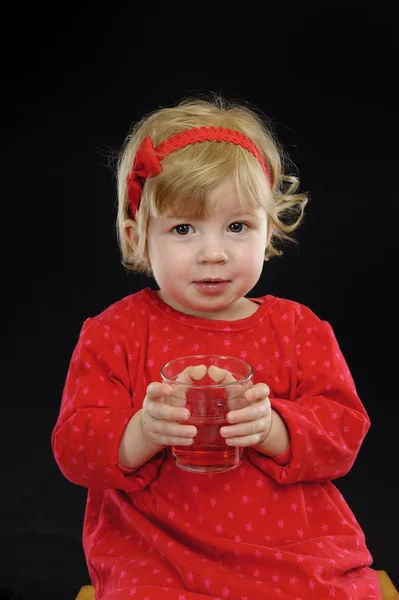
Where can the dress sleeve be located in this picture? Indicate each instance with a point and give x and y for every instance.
(326, 420)
(95, 409)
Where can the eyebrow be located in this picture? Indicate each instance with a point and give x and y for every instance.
(245, 215)
(236, 216)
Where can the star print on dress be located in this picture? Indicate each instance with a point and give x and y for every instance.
(268, 529)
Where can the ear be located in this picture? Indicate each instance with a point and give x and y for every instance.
(131, 232)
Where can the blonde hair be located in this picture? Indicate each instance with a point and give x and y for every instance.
(190, 173)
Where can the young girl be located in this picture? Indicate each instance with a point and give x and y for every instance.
(202, 201)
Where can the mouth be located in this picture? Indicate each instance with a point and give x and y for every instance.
(212, 286)
(211, 280)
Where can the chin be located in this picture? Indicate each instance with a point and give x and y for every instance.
(201, 307)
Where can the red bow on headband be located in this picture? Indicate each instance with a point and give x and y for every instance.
(146, 164)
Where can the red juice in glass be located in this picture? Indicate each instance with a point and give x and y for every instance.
(209, 399)
(209, 452)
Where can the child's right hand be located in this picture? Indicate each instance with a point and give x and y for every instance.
(159, 420)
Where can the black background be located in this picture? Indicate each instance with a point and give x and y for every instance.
(74, 81)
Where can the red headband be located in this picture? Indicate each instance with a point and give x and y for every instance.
(147, 161)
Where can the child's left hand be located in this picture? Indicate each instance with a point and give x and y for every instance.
(251, 424)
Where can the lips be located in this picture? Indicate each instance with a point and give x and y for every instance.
(211, 286)
(211, 280)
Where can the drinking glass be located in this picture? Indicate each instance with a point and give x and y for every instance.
(209, 386)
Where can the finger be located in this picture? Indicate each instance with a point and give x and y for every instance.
(186, 378)
(223, 376)
(252, 412)
(169, 440)
(245, 441)
(164, 393)
(165, 411)
(234, 393)
(258, 392)
(173, 429)
(158, 391)
(244, 429)
(236, 396)
(192, 373)
(219, 375)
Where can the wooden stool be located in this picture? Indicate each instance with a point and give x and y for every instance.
(388, 589)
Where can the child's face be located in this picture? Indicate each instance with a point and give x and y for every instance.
(228, 244)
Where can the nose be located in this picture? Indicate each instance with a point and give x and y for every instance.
(212, 251)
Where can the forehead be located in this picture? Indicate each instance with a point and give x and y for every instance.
(224, 199)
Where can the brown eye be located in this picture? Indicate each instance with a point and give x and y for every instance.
(237, 227)
(182, 229)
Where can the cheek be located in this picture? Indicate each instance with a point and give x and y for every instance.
(158, 251)
(253, 255)
(168, 262)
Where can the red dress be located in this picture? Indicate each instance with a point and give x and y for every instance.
(259, 531)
